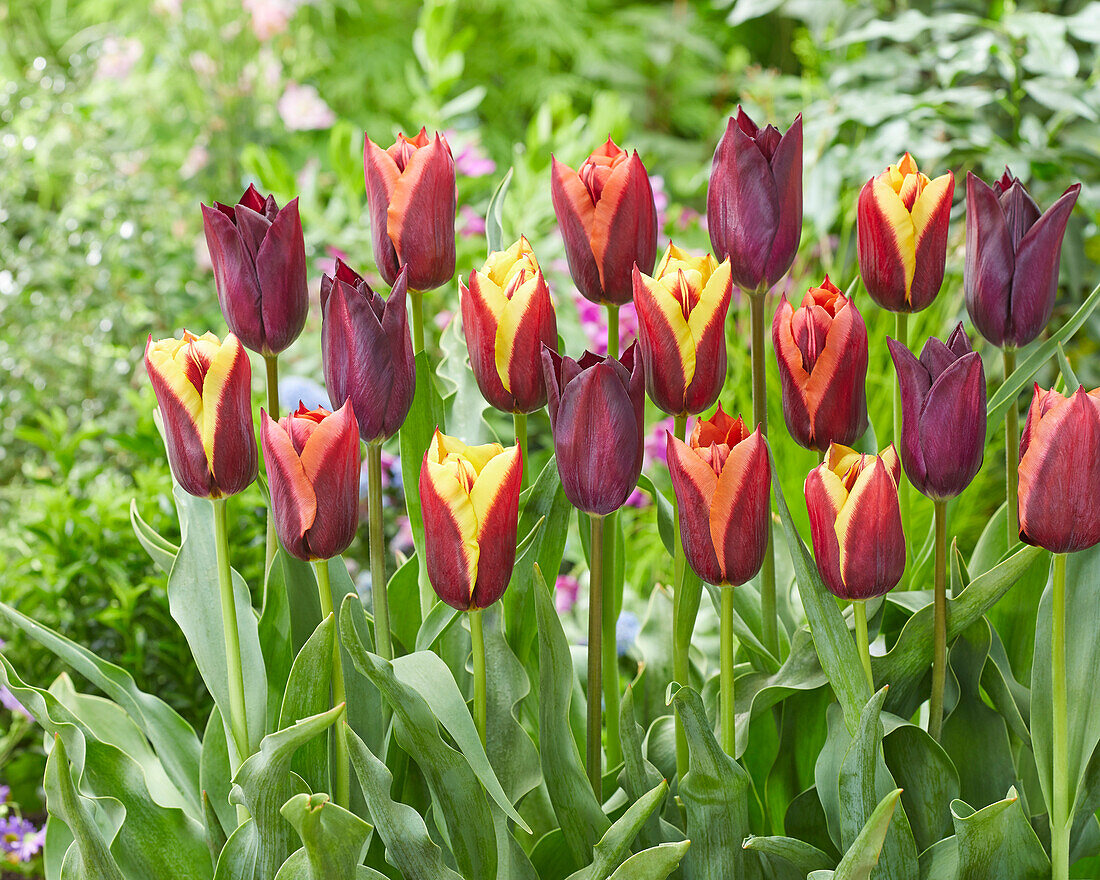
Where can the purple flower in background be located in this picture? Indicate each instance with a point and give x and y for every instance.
(471, 222)
(653, 450)
(593, 320)
(472, 161)
(5, 793)
(301, 389)
(565, 592)
(20, 838)
(9, 702)
(303, 109)
(627, 628)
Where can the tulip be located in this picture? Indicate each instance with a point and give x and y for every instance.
(259, 262)
(902, 235)
(1012, 254)
(754, 200)
(597, 407)
(367, 351)
(822, 353)
(1059, 504)
(312, 459)
(681, 321)
(203, 389)
(855, 522)
(608, 221)
(470, 499)
(411, 191)
(507, 316)
(722, 481)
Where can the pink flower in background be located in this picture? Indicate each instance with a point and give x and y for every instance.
(474, 162)
(270, 17)
(402, 542)
(203, 65)
(565, 592)
(688, 216)
(118, 57)
(593, 319)
(472, 223)
(198, 157)
(443, 318)
(660, 199)
(653, 450)
(303, 109)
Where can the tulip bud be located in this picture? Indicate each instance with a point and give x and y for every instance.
(681, 322)
(608, 221)
(507, 317)
(367, 351)
(597, 408)
(822, 352)
(901, 230)
(723, 491)
(203, 389)
(470, 499)
(943, 414)
(1012, 255)
(855, 522)
(411, 191)
(1059, 504)
(312, 459)
(754, 200)
(259, 262)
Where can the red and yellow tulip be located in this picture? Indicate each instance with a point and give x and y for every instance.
(203, 388)
(470, 499)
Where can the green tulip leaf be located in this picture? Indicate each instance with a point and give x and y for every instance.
(863, 855)
(215, 776)
(805, 857)
(307, 694)
(437, 622)
(160, 549)
(639, 775)
(215, 830)
(334, 841)
(655, 863)
(998, 838)
(494, 216)
(464, 405)
(615, 845)
(666, 515)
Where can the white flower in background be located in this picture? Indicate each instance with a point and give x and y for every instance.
(270, 17)
(118, 57)
(303, 109)
(198, 157)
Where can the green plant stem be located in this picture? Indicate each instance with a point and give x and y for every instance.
(379, 592)
(859, 607)
(729, 731)
(341, 773)
(1061, 820)
(681, 661)
(519, 423)
(595, 657)
(271, 362)
(613, 599)
(612, 330)
(1012, 455)
(769, 623)
(477, 644)
(939, 631)
(901, 332)
(238, 718)
(416, 297)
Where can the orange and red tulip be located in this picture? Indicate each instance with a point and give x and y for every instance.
(822, 351)
(902, 235)
(470, 499)
(203, 388)
(722, 480)
(507, 317)
(1059, 500)
(411, 191)
(855, 522)
(312, 460)
(681, 323)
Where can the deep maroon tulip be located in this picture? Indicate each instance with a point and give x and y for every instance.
(597, 407)
(754, 200)
(608, 222)
(1059, 501)
(411, 191)
(1012, 254)
(943, 414)
(259, 262)
(312, 459)
(367, 351)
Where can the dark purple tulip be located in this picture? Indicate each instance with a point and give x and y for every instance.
(943, 414)
(259, 262)
(597, 406)
(367, 351)
(1012, 254)
(754, 201)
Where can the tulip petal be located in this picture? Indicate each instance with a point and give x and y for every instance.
(235, 278)
(835, 392)
(624, 229)
(480, 303)
(707, 323)
(228, 437)
(913, 384)
(886, 241)
(825, 498)
(575, 211)
(951, 430)
(293, 501)
(381, 173)
(526, 322)
(395, 326)
(793, 376)
(421, 216)
(694, 482)
(786, 171)
(495, 499)
(931, 219)
(870, 536)
(990, 261)
(451, 549)
(330, 461)
(666, 340)
(740, 510)
(281, 269)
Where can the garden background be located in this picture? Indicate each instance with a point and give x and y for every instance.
(118, 118)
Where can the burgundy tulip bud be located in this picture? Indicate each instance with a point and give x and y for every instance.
(855, 522)
(754, 200)
(366, 347)
(608, 221)
(259, 260)
(411, 192)
(943, 414)
(723, 484)
(597, 407)
(822, 352)
(1012, 255)
(312, 459)
(1059, 503)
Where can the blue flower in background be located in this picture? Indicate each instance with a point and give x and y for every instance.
(627, 628)
(295, 389)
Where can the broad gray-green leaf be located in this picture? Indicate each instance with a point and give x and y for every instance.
(307, 694)
(215, 831)
(927, 777)
(803, 856)
(161, 550)
(615, 845)
(216, 776)
(997, 838)
(655, 863)
(334, 841)
(862, 856)
(639, 775)
(494, 216)
(439, 620)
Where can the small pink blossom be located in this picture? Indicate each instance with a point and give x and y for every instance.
(303, 109)
(270, 17)
(198, 157)
(471, 222)
(593, 318)
(660, 199)
(565, 592)
(118, 57)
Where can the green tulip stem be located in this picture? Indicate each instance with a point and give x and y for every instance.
(612, 330)
(271, 361)
(519, 422)
(902, 335)
(681, 663)
(341, 773)
(595, 656)
(1012, 455)
(477, 643)
(939, 627)
(379, 592)
(416, 297)
(729, 732)
(769, 622)
(613, 597)
(859, 608)
(1061, 820)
